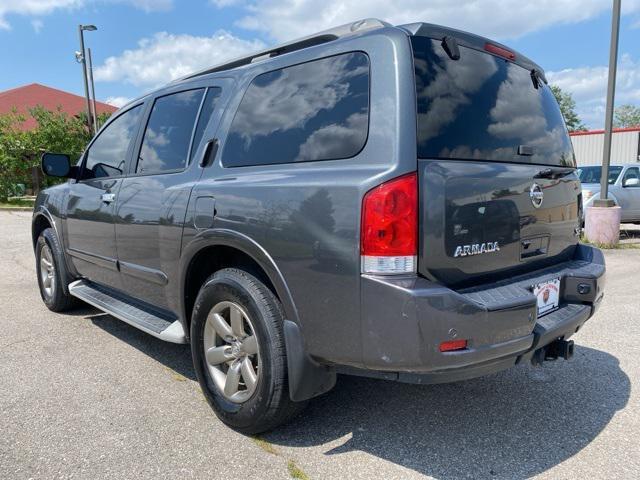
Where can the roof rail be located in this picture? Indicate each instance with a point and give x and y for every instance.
(298, 44)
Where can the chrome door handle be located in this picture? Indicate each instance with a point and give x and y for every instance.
(108, 197)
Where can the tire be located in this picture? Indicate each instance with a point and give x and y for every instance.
(52, 273)
(257, 398)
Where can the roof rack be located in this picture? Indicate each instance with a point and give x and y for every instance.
(298, 44)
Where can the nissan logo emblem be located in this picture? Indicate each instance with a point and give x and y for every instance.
(536, 195)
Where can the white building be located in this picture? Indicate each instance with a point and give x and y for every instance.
(625, 146)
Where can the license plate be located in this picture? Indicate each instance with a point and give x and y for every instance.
(548, 295)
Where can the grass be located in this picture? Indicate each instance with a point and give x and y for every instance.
(266, 446)
(618, 246)
(295, 471)
(17, 202)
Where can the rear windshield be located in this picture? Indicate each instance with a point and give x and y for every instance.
(482, 107)
(593, 174)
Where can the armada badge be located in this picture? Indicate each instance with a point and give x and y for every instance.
(476, 249)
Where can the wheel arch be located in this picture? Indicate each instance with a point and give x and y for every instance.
(40, 222)
(223, 248)
(307, 378)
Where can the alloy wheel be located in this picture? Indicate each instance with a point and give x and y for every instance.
(231, 351)
(47, 271)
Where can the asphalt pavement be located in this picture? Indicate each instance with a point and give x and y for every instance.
(83, 395)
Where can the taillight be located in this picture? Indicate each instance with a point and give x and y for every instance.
(496, 50)
(389, 230)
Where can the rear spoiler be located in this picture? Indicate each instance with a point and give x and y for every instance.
(470, 40)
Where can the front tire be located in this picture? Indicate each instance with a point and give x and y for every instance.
(238, 351)
(52, 274)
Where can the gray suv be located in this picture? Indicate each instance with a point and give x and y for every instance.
(398, 202)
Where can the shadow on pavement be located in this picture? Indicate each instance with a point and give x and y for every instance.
(513, 424)
(174, 356)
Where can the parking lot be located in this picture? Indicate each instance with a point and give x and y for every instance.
(84, 395)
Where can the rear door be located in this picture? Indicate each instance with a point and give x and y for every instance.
(153, 199)
(629, 195)
(498, 188)
(90, 233)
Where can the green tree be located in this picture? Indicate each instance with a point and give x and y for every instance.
(626, 116)
(568, 109)
(20, 149)
(13, 142)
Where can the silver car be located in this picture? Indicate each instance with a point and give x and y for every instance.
(624, 188)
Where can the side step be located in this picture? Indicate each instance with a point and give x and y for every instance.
(134, 313)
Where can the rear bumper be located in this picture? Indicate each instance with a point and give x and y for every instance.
(405, 320)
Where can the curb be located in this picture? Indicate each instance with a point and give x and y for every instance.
(16, 209)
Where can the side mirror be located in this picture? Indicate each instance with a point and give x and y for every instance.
(631, 182)
(56, 164)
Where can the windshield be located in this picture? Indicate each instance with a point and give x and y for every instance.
(593, 174)
(485, 107)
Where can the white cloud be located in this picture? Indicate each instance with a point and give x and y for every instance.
(166, 56)
(500, 19)
(37, 25)
(32, 7)
(588, 85)
(117, 101)
(225, 3)
(149, 5)
(45, 7)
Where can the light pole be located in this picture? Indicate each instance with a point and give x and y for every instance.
(81, 57)
(602, 220)
(93, 93)
(608, 121)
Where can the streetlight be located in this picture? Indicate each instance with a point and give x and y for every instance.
(81, 58)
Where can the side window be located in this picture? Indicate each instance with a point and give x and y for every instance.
(108, 154)
(317, 110)
(167, 137)
(633, 172)
(208, 106)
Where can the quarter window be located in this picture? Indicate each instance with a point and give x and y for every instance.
(167, 138)
(317, 110)
(107, 155)
(208, 106)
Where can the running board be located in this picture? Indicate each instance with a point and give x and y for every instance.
(134, 313)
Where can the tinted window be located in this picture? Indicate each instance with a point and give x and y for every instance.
(167, 137)
(205, 114)
(484, 107)
(593, 174)
(314, 111)
(108, 153)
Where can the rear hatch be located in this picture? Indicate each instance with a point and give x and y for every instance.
(499, 194)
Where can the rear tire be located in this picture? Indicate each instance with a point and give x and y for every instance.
(238, 351)
(52, 273)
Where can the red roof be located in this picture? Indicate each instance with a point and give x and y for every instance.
(600, 132)
(28, 96)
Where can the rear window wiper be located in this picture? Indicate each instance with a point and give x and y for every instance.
(537, 77)
(553, 172)
(450, 45)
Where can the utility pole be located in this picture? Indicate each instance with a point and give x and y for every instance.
(81, 57)
(608, 125)
(93, 93)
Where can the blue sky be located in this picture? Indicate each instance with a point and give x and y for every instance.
(141, 44)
